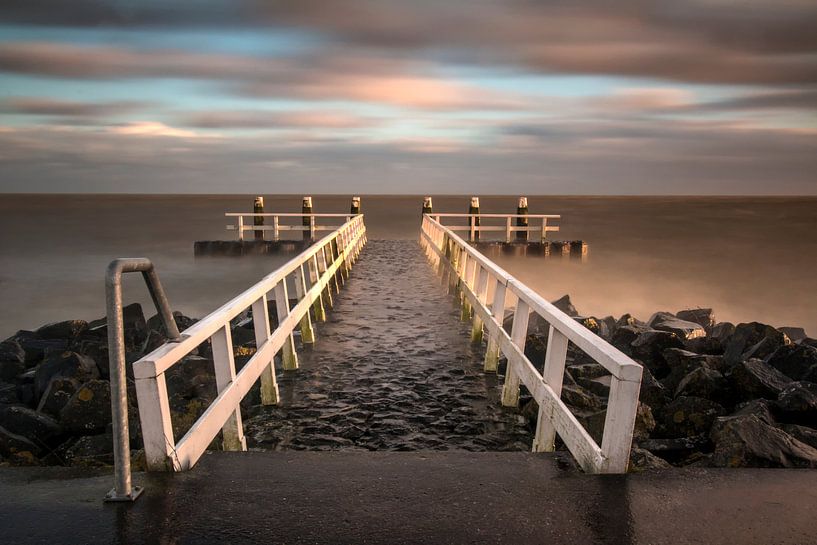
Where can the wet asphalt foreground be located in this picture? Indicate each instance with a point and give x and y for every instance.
(392, 369)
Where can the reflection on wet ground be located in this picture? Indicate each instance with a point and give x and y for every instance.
(392, 369)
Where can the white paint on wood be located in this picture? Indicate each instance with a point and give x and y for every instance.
(232, 431)
(261, 326)
(555, 417)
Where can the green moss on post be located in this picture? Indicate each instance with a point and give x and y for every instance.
(522, 209)
(258, 208)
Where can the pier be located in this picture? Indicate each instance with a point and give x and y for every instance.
(437, 332)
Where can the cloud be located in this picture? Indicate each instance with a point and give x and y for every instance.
(152, 128)
(536, 156)
(59, 108)
(361, 76)
(703, 41)
(265, 119)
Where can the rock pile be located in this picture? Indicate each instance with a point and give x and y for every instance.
(55, 401)
(714, 394)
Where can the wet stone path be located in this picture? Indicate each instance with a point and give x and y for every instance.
(392, 369)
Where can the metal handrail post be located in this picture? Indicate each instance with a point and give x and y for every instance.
(123, 487)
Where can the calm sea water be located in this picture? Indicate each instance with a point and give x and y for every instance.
(748, 258)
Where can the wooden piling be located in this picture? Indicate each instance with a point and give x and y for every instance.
(355, 208)
(474, 220)
(308, 221)
(427, 205)
(258, 208)
(578, 250)
(522, 209)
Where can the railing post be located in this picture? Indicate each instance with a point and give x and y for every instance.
(307, 332)
(258, 208)
(325, 267)
(498, 312)
(519, 334)
(241, 228)
(617, 439)
(314, 276)
(275, 234)
(306, 221)
(261, 325)
(481, 293)
(508, 229)
(157, 428)
(233, 431)
(544, 229)
(553, 375)
(468, 280)
(522, 221)
(288, 354)
(474, 209)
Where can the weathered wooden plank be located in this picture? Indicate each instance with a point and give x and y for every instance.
(232, 431)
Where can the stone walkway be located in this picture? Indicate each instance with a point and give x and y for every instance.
(392, 369)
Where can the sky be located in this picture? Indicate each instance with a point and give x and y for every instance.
(625, 97)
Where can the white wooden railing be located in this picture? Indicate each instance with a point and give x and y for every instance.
(315, 273)
(475, 225)
(276, 227)
(471, 272)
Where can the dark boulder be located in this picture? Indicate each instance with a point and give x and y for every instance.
(761, 408)
(664, 321)
(133, 323)
(753, 340)
(592, 324)
(10, 350)
(796, 334)
(91, 450)
(89, 409)
(701, 316)
(794, 360)
(652, 392)
(676, 450)
(599, 386)
(593, 423)
(682, 362)
(65, 365)
(578, 397)
(630, 320)
(649, 348)
(68, 329)
(610, 326)
(182, 322)
(797, 404)
(56, 395)
(36, 348)
(38, 428)
(10, 370)
(687, 416)
(722, 331)
(801, 433)
(17, 448)
(8, 394)
(644, 460)
(753, 379)
(705, 345)
(565, 305)
(702, 382)
(747, 441)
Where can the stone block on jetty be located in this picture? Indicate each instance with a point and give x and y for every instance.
(747, 441)
(664, 321)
